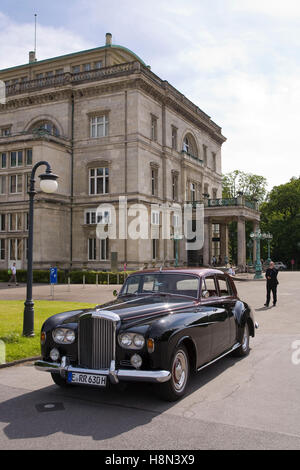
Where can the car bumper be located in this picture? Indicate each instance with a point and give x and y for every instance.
(115, 375)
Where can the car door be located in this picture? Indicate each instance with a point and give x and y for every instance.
(227, 300)
(218, 317)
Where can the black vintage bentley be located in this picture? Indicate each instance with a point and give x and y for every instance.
(163, 325)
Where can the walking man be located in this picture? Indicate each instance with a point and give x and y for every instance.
(272, 282)
(13, 274)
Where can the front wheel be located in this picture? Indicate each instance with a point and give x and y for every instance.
(59, 380)
(175, 388)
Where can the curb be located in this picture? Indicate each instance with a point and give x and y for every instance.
(20, 361)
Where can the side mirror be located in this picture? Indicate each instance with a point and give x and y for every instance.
(115, 293)
(205, 294)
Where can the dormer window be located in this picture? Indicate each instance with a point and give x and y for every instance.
(45, 127)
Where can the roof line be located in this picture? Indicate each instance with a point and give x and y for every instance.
(115, 46)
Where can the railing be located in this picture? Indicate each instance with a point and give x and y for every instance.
(33, 134)
(223, 202)
(67, 78)
(192, 156)
(226, 202)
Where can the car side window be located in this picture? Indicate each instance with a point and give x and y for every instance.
(132, 285)
(224, 287)
(209, 286)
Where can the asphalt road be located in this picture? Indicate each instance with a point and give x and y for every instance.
(250, 403)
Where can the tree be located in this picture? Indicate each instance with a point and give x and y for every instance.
(280, 215)
(252, 186)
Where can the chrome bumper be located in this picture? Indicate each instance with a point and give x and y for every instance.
(114, 375)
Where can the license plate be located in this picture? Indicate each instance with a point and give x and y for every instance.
(87, 379)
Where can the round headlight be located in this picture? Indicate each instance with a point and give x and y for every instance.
(63, 336)
(139, 341)
(126, 340)
(58, 335)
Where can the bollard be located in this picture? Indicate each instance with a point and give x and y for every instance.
(83, 281)
(118, 279)
(97, 279)
(2, 352)
(69, 284)
(108, 278)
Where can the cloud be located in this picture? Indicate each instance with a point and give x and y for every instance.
(289, 9)
(17, 39)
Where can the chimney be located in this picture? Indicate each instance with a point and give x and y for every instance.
(32, 57)
(108, 38)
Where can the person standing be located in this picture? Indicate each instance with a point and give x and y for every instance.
(13, 274)
(272, 283)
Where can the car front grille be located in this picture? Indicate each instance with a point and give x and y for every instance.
(96, 341)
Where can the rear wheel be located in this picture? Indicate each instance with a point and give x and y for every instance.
(175, 388)
(244, 348)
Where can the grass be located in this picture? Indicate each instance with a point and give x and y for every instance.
(11, 325)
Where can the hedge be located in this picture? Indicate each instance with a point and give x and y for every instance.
(76, 277)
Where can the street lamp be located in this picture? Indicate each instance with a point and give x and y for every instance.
(269, 237)
(257, 236)
(48, 184)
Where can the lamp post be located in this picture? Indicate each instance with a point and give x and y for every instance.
(48, 184)
(269, 237)
(256, 237)
(250, 246)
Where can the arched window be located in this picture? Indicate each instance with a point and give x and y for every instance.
(190, 146)
(45, 127)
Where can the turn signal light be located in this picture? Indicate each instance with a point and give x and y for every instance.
(150, 345)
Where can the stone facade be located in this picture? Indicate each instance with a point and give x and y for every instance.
(109, 127)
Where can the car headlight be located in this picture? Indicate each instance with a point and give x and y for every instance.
(131, 340)
(63, 336)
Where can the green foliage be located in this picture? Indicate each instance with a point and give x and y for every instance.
(280, 215)
(252, 186)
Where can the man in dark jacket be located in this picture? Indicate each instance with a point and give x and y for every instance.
(272, 282)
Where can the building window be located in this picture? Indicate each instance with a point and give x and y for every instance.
(2, 222)
(174, 138)
(99, 181)
(153, 128)
(38, 76)
(93, 217)
(205, 154)
(28, 156)
(3, 160)
(98, 64)
(59, 71)
(154, 249)
(214, 193)
(214, 161)
(154, 181)
(193, 192)
(49, 74)
(15, 249)
(76, 69)
(104, 249)
(5, 131)
(15, 222)
(42, 126)
(2, 249)
(86, 67)
(15, 184)
(155, 217)
(99, 126)
(26, 221)
(2, 184)
(174, 186)
(92, 252)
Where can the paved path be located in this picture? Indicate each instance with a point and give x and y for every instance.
(252, 403)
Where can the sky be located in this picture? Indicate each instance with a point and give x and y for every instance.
(238, 60)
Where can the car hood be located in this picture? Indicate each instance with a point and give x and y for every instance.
(141, 307)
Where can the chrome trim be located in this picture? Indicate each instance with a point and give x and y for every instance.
(237, 345)
(158, 376)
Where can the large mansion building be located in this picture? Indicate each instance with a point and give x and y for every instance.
(110, 128)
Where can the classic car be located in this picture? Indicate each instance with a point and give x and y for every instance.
(163, 325)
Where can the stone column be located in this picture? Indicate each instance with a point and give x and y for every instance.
(241, 235)
(207, 242)
(224, 239)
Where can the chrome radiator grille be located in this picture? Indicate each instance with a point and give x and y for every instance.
(96, 342)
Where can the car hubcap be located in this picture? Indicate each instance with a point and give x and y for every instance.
(180, 369)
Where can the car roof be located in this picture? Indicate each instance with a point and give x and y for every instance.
(197, 271)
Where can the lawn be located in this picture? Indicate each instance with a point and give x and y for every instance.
(11, 325)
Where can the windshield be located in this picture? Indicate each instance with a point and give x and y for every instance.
(162, 283)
